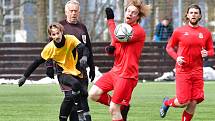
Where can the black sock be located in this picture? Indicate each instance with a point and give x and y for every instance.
(73, 116)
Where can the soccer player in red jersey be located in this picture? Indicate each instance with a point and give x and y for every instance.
(123, 77)
(189, 46)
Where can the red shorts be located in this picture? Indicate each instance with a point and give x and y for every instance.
(122, 87)
(189, 87)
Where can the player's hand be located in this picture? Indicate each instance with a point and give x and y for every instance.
(109, 13)
(22, 81)
(180, 60)
(50, 72)
(83, 62)
(92, 75)
(204, 53)
(110, 49)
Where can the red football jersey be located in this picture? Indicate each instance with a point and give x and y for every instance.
(127, 54)
(188, 42)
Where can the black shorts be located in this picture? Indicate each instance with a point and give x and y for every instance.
(69, 82)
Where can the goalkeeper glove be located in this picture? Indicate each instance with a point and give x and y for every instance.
(50, 72)
(109, 13)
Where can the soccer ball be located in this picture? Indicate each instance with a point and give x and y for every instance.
(123, 32)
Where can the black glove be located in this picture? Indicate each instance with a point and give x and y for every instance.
(92, 75)
(109, 13)
(49, 63)
(22, 81)
(110, 49)
(50, 72)
(83, 62)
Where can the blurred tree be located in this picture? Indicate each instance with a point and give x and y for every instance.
(84, 10)
(120, 6)
(152, 18)
(59, 9)
(1, 22)
(93, 15)
(3, 13)
(41, 20)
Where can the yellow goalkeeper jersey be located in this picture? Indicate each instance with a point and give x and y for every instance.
(63, 56)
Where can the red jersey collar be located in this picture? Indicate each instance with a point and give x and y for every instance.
(193, 26)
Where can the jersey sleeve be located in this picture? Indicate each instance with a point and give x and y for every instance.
(75, 41)
(111, 27)
(33, 66)
(47, 51)
(209, 45)
(172, 43)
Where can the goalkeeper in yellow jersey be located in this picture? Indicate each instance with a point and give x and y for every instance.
(60, 50)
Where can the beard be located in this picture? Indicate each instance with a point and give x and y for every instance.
(58, 40)
(194, 22)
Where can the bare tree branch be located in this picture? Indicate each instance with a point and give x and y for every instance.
(15, 7)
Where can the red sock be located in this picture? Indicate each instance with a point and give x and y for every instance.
(186, 116)
(118, 120)
(104, 99)
(170, 102)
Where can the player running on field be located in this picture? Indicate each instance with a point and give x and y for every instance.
(123, 77)
(60, 50)
(73, 26)
(189, 45)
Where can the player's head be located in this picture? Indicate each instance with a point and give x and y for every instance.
(72, 11)
(193, 14)
(135, 10)
(55, 32)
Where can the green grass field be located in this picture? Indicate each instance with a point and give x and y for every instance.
(42, 102)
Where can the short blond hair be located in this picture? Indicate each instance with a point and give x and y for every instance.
(144, 10)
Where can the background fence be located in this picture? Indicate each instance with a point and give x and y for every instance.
(16, 57)
(26, 20)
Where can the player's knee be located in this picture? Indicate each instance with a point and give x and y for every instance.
(191, 107)
(68, 98)
(114, 111)
(182, 103)
(95, 93)
(192, 104)
(92, 96)
(71, 95)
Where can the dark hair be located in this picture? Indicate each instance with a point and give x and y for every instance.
(55, 25)
(166, 18)
(192, 6)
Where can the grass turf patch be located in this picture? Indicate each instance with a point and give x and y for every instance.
(42, 103)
